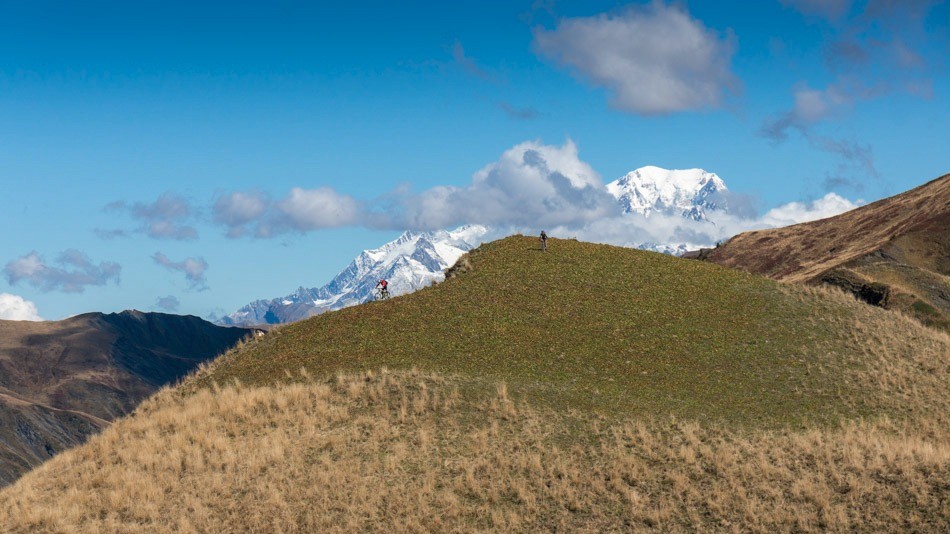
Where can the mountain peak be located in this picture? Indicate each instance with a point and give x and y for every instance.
(686, 192)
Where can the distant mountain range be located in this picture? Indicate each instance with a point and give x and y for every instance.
(411, 262)
(63, 381)
(418, 259)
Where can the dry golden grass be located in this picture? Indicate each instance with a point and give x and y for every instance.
(406, 452)
(901, 367)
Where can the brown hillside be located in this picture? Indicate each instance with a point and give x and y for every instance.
(894, 252)
(62, 381)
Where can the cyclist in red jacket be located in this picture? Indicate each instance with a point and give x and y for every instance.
(383, 287)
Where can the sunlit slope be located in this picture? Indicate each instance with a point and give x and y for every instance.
(893, 253)
(406, 452)
(608, 328)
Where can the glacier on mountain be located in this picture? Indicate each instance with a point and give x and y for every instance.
(690, 193)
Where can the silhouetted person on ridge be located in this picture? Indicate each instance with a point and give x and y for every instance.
(544, 241)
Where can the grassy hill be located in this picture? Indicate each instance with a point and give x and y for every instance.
(588, 388)
(894, 253)
(617, 330)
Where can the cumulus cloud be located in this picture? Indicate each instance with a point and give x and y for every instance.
(798, 212)
(531, 183)
(74, 273)
(530, 186)
(16, 308)
(313, 209)
(302, 210)
(193, 269)
(169, 217)
(653, 60)
(169, 303)
(239, 209)
(586, 211)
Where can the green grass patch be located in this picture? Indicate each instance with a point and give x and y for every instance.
(592, 327)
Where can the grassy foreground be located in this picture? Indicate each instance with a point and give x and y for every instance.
(526, 394)
(406, 452)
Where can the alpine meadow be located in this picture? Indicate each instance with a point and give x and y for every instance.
(498, 400)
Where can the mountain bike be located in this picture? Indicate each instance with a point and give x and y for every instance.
(380, 294)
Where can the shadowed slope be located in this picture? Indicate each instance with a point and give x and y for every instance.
(894, 252)
(62, 381)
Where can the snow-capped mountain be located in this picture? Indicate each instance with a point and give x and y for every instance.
(689, 192)
(411, 262)
(418, 259)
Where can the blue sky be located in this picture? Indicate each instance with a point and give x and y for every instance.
(211, 153)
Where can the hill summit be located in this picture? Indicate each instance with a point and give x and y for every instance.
(595, 326)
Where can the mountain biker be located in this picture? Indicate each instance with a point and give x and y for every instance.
(383, 287)
(544, 241)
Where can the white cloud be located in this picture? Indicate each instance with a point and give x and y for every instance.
(237, 210)
(303, 210)
(654, 59)
(313, 209)
(193, 269)
(165, 218)
(633, 229)
(530, 184)
(16, 308)
(76, 272)
(799, 212)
